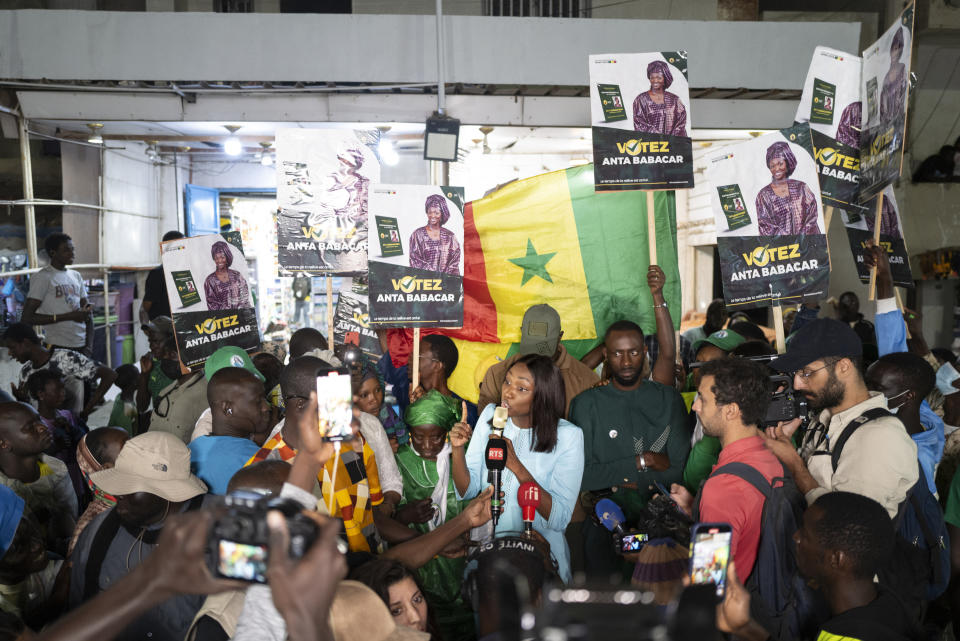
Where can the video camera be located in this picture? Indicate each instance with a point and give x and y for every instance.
(786, 403)
(238, 545)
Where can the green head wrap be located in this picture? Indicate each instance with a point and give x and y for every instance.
(433, 408)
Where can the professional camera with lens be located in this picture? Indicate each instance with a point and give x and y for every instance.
(786, 403)
(238, 547)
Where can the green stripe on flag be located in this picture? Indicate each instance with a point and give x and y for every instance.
(612, 228)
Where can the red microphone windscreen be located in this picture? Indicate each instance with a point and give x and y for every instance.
(528, 498)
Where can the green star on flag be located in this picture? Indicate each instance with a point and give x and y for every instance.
(533, 264)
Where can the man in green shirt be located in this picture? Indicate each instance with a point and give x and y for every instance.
(635, 434)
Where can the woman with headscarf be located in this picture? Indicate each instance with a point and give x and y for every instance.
(848, 131)
(658, 111)
(97, 451)
(894, 92)
(429, 500)
(225, 288)
(433, 247)
(785, 206)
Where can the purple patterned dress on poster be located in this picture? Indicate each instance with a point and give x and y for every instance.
(233, 294)
(794, 214)
(668, 118)
(441, 255)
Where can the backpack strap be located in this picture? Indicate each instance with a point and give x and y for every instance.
(871, 414)
(749, 474)
(98, 552)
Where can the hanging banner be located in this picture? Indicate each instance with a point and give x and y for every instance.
(770, 231)
(210, 296)
(351, 322)
(831, 105)
(416, 260)
(323, 184)
(885, 89)
(640, 111)
(860, 229)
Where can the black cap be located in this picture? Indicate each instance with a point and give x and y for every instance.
(822, 338)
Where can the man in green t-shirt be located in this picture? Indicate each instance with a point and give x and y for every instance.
(635, 434)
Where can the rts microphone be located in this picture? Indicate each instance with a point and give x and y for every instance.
(496, 462)
(610, 515)
(528, 498)
(499, 421)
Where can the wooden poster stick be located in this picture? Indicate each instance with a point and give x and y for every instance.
(651, 229)
(876, 243)
(778, 328)
(827, 217)
(329, 280)
(896, 292)
(415, 359)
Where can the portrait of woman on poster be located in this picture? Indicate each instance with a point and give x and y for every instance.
(894, 92)
(225, 288)
(433, 247)
(658, 111)
(848, 131)
(785, 206)
(889, 226)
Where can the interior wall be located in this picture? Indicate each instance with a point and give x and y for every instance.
(131, 185)
(81, 184)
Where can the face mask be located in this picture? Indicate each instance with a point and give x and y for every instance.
(946, 375)
(894, 410)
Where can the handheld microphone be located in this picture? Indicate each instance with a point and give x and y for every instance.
(499, 421)
(528, 498)
(496, 463)
(610, 515)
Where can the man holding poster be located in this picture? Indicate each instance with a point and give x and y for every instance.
(217, 313)
(420, 286)
(860, 231)
(775, 251)
(649, 148)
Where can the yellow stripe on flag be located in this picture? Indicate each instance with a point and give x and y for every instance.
(532, 255)
(473, 362)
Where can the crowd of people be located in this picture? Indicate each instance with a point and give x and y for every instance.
(823, 460)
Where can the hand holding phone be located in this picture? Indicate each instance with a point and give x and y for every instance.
(335, 406)
(710, 554)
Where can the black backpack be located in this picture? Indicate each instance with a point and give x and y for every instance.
(780, 600)
(920, 564)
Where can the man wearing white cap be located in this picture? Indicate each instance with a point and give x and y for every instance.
(151, 480)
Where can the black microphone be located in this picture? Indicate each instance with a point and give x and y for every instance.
(496, 462)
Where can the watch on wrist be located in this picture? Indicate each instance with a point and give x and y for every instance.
(643, 464)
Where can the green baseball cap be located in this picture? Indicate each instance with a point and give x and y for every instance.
(230, 356)
(725, 339)
(540, 331)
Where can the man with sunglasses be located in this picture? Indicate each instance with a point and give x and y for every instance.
(879, 459)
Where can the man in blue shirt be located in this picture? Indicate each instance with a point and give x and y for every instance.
(238, 408)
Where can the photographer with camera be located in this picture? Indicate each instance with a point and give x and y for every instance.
(879, 460)
(732, 400)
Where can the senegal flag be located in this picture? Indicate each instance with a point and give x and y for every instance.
(552, 239)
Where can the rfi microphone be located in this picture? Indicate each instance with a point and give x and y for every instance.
(610, 515)
(496, 462)
(499, 420)
(528, 498)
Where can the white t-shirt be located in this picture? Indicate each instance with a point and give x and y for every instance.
(60, 292)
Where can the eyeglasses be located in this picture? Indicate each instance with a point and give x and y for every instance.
(805, 373)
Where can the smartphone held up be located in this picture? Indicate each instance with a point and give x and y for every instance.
(710, 554)
(335, 406)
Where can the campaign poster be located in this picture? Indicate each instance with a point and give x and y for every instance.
(831, 104)
(323, 189)
(416, 264)
(769, 217)
(351, 320)
(860, 228)
(885, 87)
(640, 112)
(208, 287)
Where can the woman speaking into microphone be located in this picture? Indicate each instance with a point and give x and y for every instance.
(542, 448)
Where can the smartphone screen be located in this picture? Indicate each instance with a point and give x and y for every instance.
(242, 561)
(633, 542)
(710, 555)
(335, 406)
